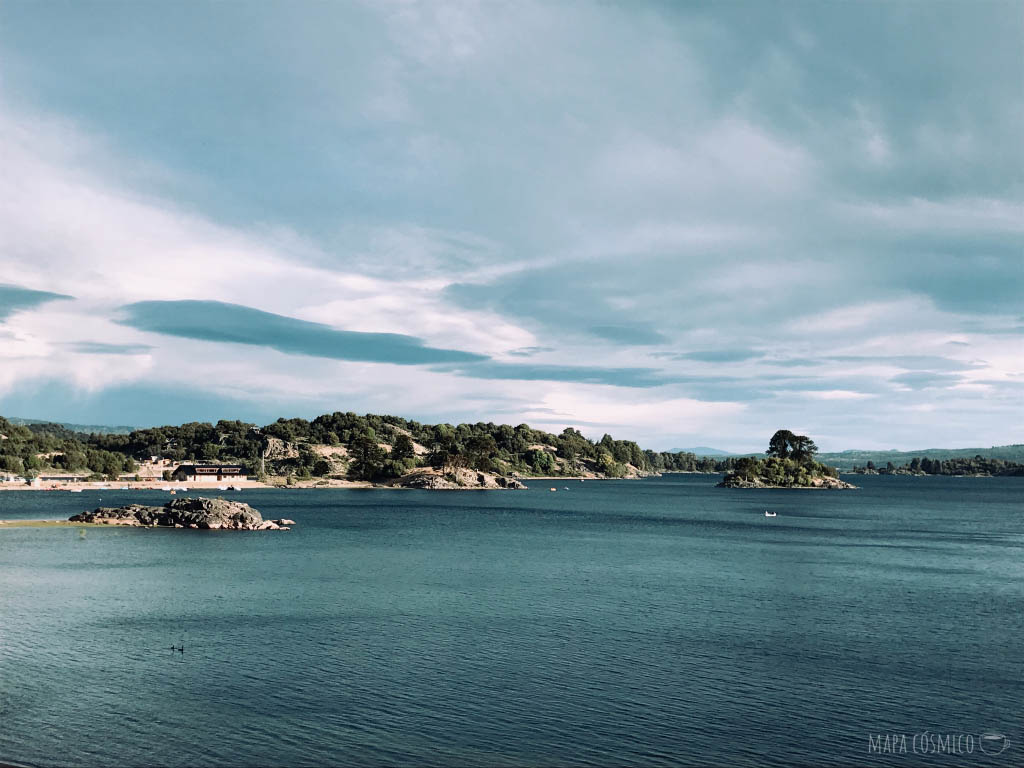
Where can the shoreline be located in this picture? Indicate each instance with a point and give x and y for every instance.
(46, 523)
(169, 487)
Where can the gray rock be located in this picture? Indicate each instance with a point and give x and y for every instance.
(820, 483)
(459, 479)
(208, 514)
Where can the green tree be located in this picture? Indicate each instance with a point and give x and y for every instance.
(446, 453)
(367, 458)
(780, 444)
(479, 450)
(12, 464)
(403, 448)
(803, 448)
(112, 464)
(784, 444)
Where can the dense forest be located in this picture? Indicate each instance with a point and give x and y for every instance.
(29, 449)
(339, 444)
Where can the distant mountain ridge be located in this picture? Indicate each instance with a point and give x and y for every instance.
(703, 450)
(87, 429)
(859, 457)
(847, 459)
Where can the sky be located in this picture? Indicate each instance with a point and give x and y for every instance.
(680, 223)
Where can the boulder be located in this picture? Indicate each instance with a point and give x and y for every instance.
(425, 480)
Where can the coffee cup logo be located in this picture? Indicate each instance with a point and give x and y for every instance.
(993, 743)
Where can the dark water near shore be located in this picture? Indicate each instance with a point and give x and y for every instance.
(653, 622)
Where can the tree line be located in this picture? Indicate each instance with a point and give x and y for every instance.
(27, 450)
(377, 447)
(979, 465)
(373, 447)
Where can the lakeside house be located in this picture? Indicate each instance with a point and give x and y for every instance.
(219, 472)
(76, 477)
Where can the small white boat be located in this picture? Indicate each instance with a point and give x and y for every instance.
(770, 514)
(222, 488)
(552, 489)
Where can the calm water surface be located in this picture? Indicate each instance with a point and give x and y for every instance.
(652, 622)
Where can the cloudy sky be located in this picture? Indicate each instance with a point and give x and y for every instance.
(688, 224)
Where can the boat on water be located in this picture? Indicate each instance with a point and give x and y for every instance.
(770, 514)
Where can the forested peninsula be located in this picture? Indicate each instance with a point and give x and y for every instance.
(334, 448)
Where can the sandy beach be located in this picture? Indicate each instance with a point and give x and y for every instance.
(45, 524)
(184, 487)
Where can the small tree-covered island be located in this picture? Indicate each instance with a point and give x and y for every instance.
(790, 464)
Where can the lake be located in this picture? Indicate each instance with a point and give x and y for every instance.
(650, 622)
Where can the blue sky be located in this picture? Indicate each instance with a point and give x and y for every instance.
(690, 224)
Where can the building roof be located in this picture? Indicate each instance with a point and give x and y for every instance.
(210, 468)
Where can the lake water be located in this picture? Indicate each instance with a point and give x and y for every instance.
(652, 622)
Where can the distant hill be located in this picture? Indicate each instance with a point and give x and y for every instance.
(847, 459)
(87, 429)
(340, 446)
(702, 450)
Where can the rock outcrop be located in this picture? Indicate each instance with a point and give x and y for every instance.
(279, 450)
(459, 479)
(209, 514)
(823, 482)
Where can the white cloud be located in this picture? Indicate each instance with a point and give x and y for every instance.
(563, 406)
(65, 226)
(835, 394)
(592, 165)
